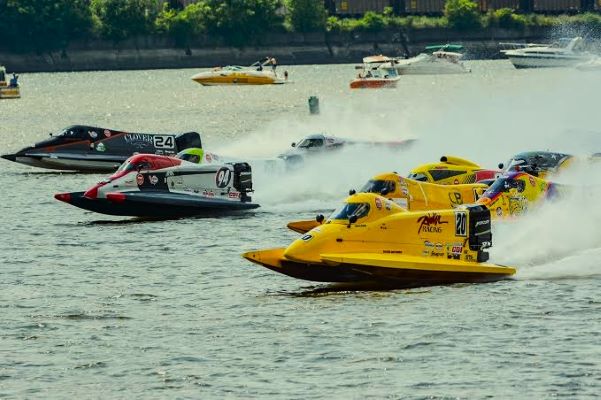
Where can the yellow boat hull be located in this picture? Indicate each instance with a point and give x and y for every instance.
(10, 92)
(390, 270)
(237, 78)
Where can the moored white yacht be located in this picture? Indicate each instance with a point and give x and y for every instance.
(565, 53)
(440, 59)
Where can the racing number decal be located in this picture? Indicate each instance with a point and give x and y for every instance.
(460, 223)
(163, 142)
(223, 176)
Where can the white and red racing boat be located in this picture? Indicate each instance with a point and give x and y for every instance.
(148, 185)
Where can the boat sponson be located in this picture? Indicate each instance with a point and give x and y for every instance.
(303, 226)
(156, 204)
(413, 272)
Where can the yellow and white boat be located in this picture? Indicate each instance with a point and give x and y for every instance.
(8, 90)
(259, 73)
(372, 239)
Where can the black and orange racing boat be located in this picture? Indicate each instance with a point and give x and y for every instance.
(92, 149)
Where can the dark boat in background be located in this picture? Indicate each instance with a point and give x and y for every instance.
(93, 149)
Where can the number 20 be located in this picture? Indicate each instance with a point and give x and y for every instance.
(460, 223)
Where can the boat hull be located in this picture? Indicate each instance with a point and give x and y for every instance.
(85, 164)
(7, 92)
(411, 273)
(237, 78)
(153, 205)
(530, 61)
(373, 83)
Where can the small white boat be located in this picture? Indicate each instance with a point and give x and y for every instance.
(440, 59)
(565, 53)
(376, 72)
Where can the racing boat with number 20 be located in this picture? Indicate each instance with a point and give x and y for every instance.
(372, 239)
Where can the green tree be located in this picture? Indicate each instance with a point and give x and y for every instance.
(306, 15)
(185, 23)
(462, 14)
(242, 22)
(43, 24)
(120, 19)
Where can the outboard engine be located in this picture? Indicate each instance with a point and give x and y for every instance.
(187, 140)
(243, 180)
(480, 234)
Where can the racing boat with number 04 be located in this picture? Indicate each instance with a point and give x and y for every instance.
(148, 185)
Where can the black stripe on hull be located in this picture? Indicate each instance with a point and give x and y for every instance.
(159, 205)
(389, 277)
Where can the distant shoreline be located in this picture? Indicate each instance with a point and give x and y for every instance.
(289, 49)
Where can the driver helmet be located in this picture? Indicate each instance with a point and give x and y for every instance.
(193, 155)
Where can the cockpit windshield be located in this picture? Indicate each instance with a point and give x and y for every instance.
(504, 185)
(133, 165)
(418, 177)
(71, 132)
(348, 210)
(378, 186)
(310, 142)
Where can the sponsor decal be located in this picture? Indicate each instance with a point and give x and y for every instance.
(392, 252)
(153, 179)
(499, 211)
(436, 254)
(307, 237)
(100, 147)
(456, 182)
(455, 199)
(460, 223)
(428, 244)
(378, 203)
(140, 179)
(482, 223)
(208, 193)
(223, 177)
(107, 133)
(233, 195)
(532, 181)
(438, 246)
(93, 134)
(430, 223)
(455, 248)
(138, 140)
(388, 205)
(209, 157)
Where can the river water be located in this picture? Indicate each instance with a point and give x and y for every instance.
(96, 306)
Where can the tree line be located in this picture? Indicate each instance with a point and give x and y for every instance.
(40, 25)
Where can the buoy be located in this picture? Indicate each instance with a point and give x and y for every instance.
(314, 105)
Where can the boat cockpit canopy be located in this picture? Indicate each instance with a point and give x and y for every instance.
(349, 210)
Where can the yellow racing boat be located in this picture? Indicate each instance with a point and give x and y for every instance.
(372, 239)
